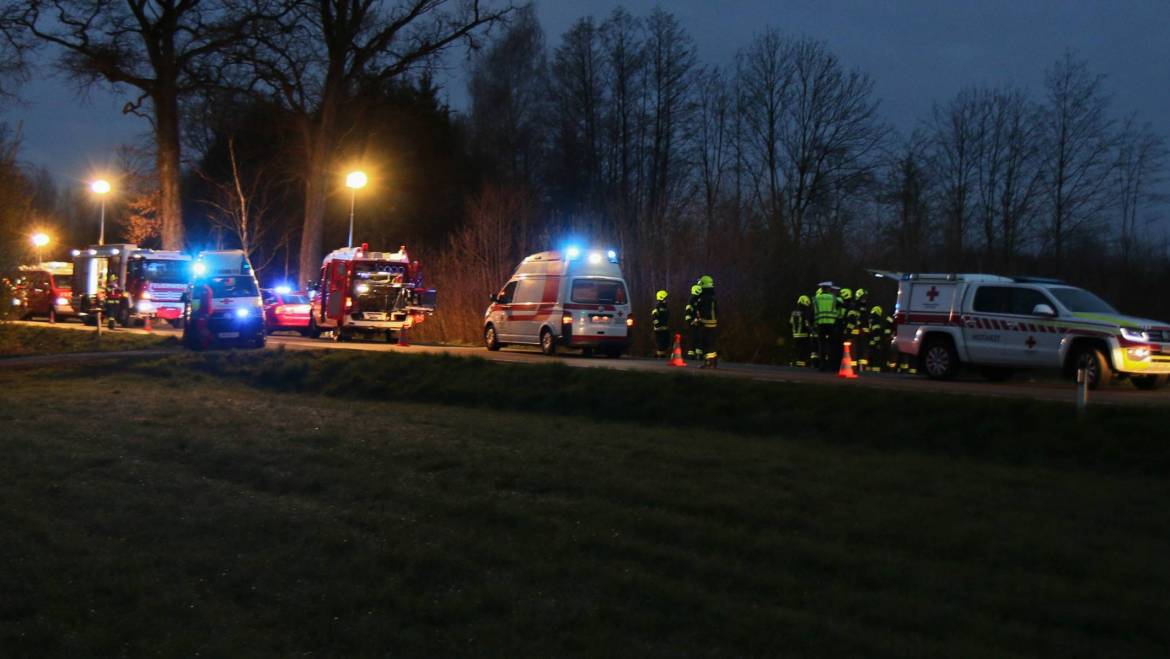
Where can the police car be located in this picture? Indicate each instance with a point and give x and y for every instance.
(1003, 324)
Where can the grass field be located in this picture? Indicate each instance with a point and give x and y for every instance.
(19, 340)
(202, 513)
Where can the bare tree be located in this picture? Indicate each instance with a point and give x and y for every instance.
(311, 59)
(671, 70)
(1078, 150)
(578, 93)
(622, 37)
(714, 144)
(1138, 174)
(764, 80)
(161, 49)
(953, 133)
(241, 208)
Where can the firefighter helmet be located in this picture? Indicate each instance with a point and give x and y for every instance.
(803, 301)
(696, 289)
(846, 294)
(860, 293)
(660, 296)
(876, 310)
(706, 281)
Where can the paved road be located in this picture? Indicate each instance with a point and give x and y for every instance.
(1041, 387)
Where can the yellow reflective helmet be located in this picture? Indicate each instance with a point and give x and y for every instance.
(876, 310)
(803, 301)
(861, 292)
(660, 295)
(846, 294)
(706, 281)
(696, 289)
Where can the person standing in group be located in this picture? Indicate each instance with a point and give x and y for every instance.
(706, 316)
(859, 335)
(689, 317)
(826, 317)
(878, 336)
(800, 321)
(660, 322)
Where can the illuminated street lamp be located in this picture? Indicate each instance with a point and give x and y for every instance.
(39, 240)
(353, 181)
(101, 188)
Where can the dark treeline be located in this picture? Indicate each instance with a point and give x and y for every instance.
(770, 173)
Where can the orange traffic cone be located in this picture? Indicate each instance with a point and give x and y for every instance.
(146, 325)
(403, 340)
(846, 370)
(676, 358)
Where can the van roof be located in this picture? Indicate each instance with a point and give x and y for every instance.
(590, 262)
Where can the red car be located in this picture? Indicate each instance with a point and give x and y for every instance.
(43, 290)
(285, 310)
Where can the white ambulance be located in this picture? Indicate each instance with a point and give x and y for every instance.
(1003, 324)
(574, 298)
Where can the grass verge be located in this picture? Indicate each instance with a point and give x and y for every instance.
(20, 340)
(192, 514)
(1014, 431)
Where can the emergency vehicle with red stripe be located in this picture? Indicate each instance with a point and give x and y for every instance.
(1003, 324)
(574, 298)
(370, 293)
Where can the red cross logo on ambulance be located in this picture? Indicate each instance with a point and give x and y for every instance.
(932, 293)
(1031, 343)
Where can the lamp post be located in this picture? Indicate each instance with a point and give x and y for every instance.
(101, 188)
(39, 240)
(353, 181)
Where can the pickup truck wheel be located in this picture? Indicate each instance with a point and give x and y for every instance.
(1149, 382)
(490, 340)
(548, 343)
(1094, 362)
(939, 359)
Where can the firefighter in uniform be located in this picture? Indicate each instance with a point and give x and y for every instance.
(706, 317)
(860, 333)
(801, 322)
(826, 317)
(878, 338)
(660, 322)
(690, 317)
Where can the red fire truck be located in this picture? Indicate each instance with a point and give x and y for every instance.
(370, 293)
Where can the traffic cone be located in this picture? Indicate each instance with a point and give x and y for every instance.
(846, 370)
(403, 340)
(676, 358)
(146, 325)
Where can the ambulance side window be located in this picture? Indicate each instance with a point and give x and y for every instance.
(528, 291)
(507, 293)
(1024, 300)
(992, 299)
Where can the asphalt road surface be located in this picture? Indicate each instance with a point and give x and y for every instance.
(1041, 386)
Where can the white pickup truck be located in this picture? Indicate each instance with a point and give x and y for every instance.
(1003, 324)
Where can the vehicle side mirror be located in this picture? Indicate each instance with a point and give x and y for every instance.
(1043, 310)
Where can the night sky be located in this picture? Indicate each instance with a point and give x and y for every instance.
(918, 51)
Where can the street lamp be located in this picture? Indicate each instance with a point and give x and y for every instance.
(101, 188)
(39, 240)
(353, 181)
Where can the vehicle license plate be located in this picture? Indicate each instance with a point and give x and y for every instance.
(229, 335)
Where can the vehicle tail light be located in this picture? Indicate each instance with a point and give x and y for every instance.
(279, 310)
(567, 319)
(630, 321)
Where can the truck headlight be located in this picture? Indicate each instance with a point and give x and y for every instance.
(362, 289)
(145, 306)
(61, 301)
(1133, 334)
(243, 312)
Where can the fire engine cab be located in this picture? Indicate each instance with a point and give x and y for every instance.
(129, 284)
(1003, 324)
(368, 292)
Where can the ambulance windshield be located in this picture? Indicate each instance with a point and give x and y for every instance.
(233, 286)
(1081, 301)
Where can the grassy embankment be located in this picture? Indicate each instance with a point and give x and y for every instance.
(19, 340)
(202, 513)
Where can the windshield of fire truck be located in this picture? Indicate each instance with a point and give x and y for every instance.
(168, 271)
(234, 286)
(1078, 300)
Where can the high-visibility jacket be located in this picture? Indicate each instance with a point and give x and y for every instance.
(660, 317)
(799, 322)
(705, 308)
(826, 309)
(880, 330)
